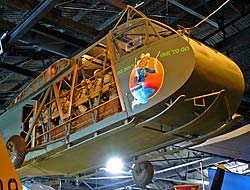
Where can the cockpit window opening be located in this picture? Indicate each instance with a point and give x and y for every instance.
(137, 33)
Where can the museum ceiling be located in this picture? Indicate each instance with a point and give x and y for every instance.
(32, 42)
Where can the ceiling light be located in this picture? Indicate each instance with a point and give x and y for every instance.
(114, 165)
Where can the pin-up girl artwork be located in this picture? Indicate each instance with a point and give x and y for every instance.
(146, 79)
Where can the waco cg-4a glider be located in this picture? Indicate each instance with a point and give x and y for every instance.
(142, 87)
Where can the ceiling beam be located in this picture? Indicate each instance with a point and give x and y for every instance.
(235, 41)
(82, 13)
(225, 26)
(40, 36)
(193, 13)
(21, 29)
(183, 14)
(18, 70)
(54, 17)
(53, 41)
(118, 4)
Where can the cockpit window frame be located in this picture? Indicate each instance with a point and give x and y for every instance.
(147, 32)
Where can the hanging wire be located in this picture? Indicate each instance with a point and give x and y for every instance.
(199, 23)
(188, 30)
